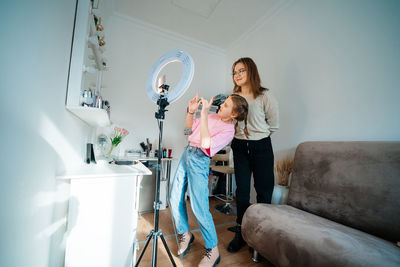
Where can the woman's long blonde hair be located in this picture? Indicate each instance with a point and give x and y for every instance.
(252, 76)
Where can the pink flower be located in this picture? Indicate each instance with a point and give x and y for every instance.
(118, 135)
(125, 132)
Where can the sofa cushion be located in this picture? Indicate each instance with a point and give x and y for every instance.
(287, 236)
(353, 183)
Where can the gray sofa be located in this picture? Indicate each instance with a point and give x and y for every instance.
(343, 208)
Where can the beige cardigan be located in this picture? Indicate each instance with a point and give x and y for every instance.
(262, 119)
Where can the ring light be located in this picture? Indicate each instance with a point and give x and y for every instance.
(184, 82)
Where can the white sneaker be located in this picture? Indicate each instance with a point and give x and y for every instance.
(184, 241)
(210, 258)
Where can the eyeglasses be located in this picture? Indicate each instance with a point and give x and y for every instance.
(240, 72)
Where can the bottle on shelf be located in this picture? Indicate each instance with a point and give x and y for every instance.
(98, 101)
(87, 100)
(89, 69)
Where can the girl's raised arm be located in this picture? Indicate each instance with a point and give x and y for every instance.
(205, 139)
(192, 107)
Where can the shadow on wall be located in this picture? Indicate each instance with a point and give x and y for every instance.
(59, 199)
(61, 228)
(37, 148)
(37, 203)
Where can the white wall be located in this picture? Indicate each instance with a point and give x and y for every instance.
(334, 67)
(133, 48)
(39, 137)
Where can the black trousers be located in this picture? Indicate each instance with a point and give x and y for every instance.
(257, 158)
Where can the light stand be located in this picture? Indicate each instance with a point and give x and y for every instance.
(163, 99)
(162, 103)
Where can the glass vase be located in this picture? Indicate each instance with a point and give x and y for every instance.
(113, 152)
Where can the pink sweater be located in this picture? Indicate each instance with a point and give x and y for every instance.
(221, 134)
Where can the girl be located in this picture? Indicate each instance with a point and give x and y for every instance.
(253, 154)
(208, 134)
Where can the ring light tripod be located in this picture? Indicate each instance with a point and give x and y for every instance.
(163, 98)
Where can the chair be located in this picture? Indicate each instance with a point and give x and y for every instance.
(226, 208)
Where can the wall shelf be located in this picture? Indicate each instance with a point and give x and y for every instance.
(92, 116)
(86, 67)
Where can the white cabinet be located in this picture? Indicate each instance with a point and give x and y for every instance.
(102, 216)
(86, 65)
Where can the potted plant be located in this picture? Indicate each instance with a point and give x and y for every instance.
(283, 169)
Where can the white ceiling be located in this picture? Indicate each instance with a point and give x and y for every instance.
(216, 22)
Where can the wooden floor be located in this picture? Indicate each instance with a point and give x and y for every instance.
(222, 223)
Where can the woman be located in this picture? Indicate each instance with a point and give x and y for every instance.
(253, 155)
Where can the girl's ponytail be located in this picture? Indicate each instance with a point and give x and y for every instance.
(246, 132)
(241, 108)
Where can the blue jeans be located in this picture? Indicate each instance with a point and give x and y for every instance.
(192, 175)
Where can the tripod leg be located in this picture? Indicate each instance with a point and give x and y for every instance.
(144, 248)
(168, 251)
(154, 259)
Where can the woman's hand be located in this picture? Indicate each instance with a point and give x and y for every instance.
(206, 105)
(193, 104)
